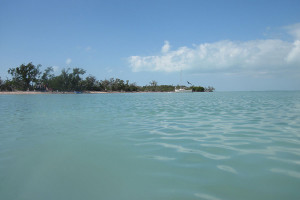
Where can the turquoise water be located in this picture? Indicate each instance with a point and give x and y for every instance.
(222, 145)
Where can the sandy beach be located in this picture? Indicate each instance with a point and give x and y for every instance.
(38, 92)
(84, 92)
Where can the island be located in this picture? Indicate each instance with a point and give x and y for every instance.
(30, 79)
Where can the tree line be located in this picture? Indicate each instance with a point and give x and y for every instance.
(31, 78)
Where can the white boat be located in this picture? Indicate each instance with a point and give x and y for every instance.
(181, 90)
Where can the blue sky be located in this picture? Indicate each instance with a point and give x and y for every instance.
(231, 45)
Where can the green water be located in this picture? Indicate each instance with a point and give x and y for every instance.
(222, 145)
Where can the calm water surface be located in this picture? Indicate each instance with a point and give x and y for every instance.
(211, 146)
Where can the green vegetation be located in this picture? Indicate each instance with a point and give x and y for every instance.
(198, 89)
(30, 77)
(25, 76)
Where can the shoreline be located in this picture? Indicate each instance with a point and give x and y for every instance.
(38, 92)
(85, 92)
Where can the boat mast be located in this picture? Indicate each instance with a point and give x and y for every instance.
(180, 79)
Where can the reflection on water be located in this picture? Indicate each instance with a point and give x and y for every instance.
(239, 145)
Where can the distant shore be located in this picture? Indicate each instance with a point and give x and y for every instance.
(38, 92)
(84, 92)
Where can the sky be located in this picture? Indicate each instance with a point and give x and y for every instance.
(237, 45)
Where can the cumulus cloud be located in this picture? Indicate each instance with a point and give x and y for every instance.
(166, 47)
(269, 56)
(294, 54)
(68, 61)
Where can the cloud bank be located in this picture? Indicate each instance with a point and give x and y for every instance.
(271, 56)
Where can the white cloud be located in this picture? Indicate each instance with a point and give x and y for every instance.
(55, 68)
(294, 30)
(294, 54)
(166, 47)
(254, 57)
(68, 61)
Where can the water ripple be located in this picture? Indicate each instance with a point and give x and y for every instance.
(161, 158)
(182, 149)
(296, 162)
(286, 172)
(227, 169)
(206, 196)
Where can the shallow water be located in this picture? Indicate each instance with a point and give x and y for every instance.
(222, 145)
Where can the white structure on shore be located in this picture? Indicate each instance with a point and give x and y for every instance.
(181, 90)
